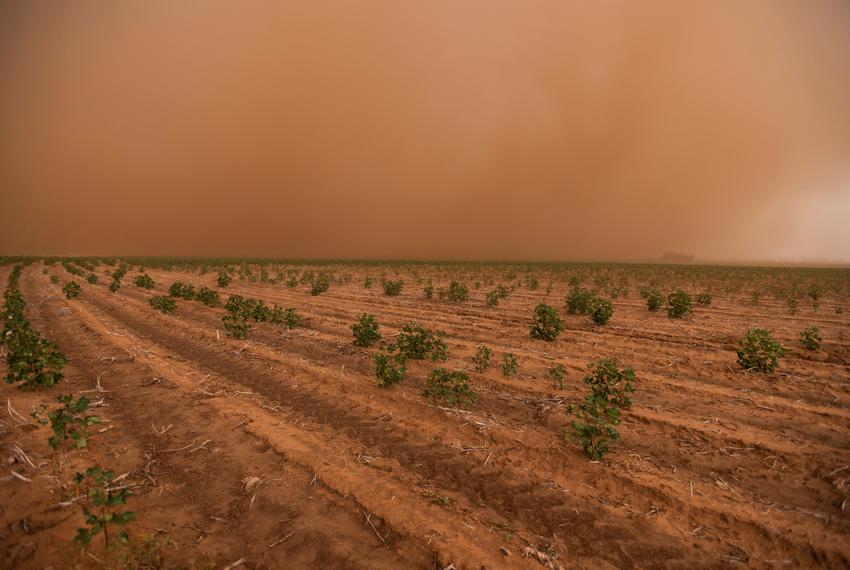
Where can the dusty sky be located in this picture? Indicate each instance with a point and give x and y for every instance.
(447, 129)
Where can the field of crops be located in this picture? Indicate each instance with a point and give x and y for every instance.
(389, 415)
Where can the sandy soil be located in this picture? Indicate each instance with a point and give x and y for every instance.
(716, 467)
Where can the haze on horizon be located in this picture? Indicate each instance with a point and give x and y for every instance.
(544, 130)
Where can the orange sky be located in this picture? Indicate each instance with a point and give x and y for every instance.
(544, 130)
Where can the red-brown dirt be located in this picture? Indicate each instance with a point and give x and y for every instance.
(717, 466)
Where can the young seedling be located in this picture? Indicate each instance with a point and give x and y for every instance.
(428, 291)
(367, 282)
(557, 373)
(759, 351)
(366, 331)
(101, 499)
(510, 364)
(32, 360)
(546, 324)
(599, 413)
(67, 421)
(54, 279)
(810, 338)
(481, 358)
(450, 387)
(223, 280)
(91, 279)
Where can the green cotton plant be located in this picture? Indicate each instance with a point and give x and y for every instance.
(236, 326)
(428, 290)
(810, 338)
(704, 299)
(601, 310)
(654, 298)
(679, 304)
(238, 305)
(182, 291)
(223, 280)
(73, 270)
(117, 275)
(101, 499)
(31, 360)
(558, 372)
(320, 285)
(72, 289)
(457, 292)
(510, 364)
(91, 279)
(579, 301)
(793, 305)
(759, 351)
(600, 412)
(392, 288)
(496, 295)
(241, 309)
(67, 421)
(449, 387)
(481, 358)
(416, 342)
(208, 297)
(389, 368)
(546, 324)
(287, 317)
(815, 293)
(260, 312)
(144, 281)
(163, 304)
(366, 330)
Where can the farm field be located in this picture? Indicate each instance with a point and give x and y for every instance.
(280, 449)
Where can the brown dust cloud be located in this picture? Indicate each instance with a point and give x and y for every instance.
(537, 130)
